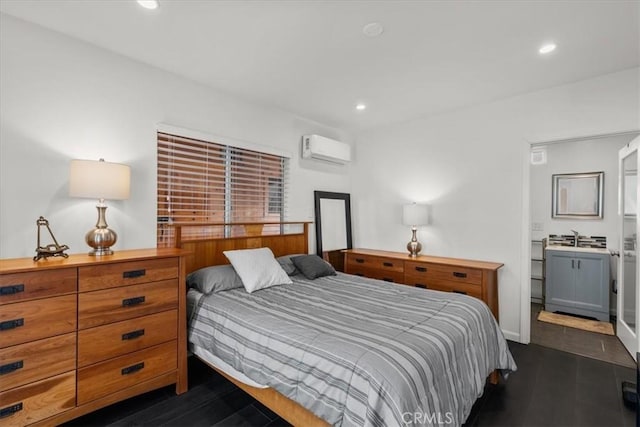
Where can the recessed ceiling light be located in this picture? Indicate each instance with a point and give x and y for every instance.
(361, 107)
(547, 48)
(148, 4)
(373, 29)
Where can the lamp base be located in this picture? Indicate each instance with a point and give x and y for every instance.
(414, 247)
(101, 238)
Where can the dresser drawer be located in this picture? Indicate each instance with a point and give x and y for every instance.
(31, 320)
(113, 305)
(436, 273)
(442, 285)
(387, 276)
(25, 286)
(39, 400)
(116, 339)
(33, 361)
(104, 378)
(105, 276)
(374, 262)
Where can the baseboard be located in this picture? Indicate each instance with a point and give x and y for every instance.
(512, 336)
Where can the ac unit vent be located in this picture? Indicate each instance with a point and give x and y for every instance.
(325, 149)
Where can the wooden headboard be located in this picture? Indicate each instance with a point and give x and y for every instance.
(207, 241)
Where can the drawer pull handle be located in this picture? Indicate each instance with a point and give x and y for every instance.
(420, 285)
(386, 279)
(133, 335)
(459, 292)
(387, 264)
(10, 410)
(460, 275)
(11, 289)
(133, 368)
(10, 367)
(359, 260)
(133, 274)
(132, 301)
(421, 269)
(11, 324)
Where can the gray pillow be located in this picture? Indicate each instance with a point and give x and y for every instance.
(287, 265)
(312, 266)
(214, 279)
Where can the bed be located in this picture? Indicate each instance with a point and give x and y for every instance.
(343, 350)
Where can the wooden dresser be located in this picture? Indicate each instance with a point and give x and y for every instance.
(81, 333)
(476, 278)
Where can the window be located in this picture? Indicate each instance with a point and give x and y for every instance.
(205, 182)
(275, 195)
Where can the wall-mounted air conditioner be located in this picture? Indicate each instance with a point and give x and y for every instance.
(329, 150)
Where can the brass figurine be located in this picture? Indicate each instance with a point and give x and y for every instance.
(51, 250)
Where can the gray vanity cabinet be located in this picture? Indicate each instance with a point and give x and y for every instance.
(561, 278)
(578, 283)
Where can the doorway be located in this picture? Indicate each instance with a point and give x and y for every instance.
(627, 319)
(578, 155)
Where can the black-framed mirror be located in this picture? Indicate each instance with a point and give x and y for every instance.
(333, 226)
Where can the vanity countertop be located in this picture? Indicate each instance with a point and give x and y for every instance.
(577, 249)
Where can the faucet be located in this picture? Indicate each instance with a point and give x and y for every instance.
(575, 241)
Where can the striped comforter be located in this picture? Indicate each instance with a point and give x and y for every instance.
(358, 352)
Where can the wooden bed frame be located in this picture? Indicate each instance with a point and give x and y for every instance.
(205, 251)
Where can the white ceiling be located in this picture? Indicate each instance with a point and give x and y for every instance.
(311, 57)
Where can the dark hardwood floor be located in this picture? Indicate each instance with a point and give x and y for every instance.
(556, 388)
(550, 388)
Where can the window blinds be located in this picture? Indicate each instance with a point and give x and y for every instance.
(200, 181)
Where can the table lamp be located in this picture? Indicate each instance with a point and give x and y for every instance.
(414, 215)
(99, 180)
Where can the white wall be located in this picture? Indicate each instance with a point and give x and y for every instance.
(63, 99)
(469, 166)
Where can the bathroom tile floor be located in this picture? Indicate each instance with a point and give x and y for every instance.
(589, 344)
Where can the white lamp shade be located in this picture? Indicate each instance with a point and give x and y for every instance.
(99, 180)
(415, 214)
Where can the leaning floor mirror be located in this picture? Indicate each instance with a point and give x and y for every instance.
(333, 226)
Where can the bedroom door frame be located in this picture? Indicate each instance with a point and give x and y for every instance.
(525, 263)
(525, 260)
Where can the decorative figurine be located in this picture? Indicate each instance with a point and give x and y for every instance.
(53, 249)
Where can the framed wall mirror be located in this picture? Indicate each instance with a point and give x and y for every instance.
(577, 195)
(333, 226)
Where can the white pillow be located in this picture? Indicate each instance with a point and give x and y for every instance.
(257, 268)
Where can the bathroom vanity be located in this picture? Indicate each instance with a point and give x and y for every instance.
(577, 281)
